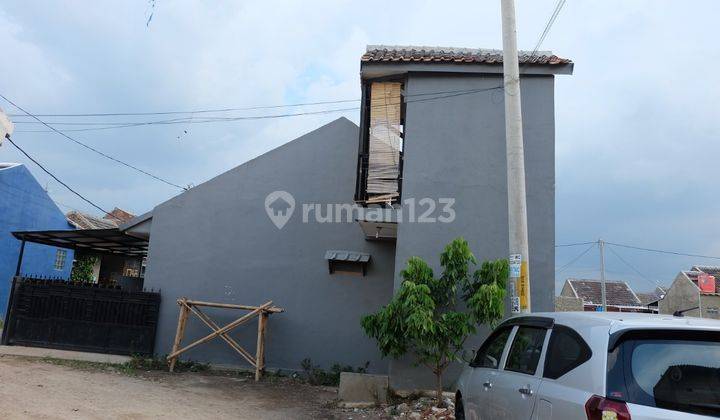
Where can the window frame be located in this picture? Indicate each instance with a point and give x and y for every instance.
(539, 367)
(620, 382)
(60, 256)
(361, 195)
(586, 351)
(495, 333)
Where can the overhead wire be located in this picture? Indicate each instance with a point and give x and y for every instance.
(663, 251)
(575, 244)
(105, 155)
(82, 197)
(638, 272)
(571, 262)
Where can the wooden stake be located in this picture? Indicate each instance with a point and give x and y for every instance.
(231, 306)
(180, 332)
(234, 344)
(260, 352)
(224, 329)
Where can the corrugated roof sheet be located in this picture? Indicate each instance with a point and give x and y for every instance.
(399, 53)
(352, 256)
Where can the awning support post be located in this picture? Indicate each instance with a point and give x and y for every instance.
(20, 258)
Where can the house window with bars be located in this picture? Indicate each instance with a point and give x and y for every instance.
(60, 258)
(132, 268)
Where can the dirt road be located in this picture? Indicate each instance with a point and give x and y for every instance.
(41, 390)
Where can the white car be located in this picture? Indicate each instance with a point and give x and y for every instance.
(594, 365)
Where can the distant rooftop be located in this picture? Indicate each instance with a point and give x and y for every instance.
(5, 165)
(617, 293)
(712, 270)
(422, 54)
(86, 221)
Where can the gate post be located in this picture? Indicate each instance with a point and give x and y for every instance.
(20, 258)
(6, 325)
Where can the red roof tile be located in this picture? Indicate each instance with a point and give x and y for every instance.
(394, 54)
(617, 293)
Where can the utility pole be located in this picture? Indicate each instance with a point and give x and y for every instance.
(517, 207)
(601, 245)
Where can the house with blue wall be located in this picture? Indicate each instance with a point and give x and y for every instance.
(25, 205)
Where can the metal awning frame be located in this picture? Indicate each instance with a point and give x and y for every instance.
(102, 241)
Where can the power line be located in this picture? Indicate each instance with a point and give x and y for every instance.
(664, 251)
(558, 6)
(90, 147)
(571, 262)
(191, 120)
(55, 177)
(23, 193)
(632, 267)
(248, 108)
(575, 244)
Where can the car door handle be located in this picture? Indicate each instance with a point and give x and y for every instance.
(525, 391)
(487, 384)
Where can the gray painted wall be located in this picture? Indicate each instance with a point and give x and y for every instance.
(455, 147)
(216, 243)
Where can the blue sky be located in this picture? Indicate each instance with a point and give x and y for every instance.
(636, 124)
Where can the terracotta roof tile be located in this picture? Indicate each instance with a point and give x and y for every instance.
(86, 221)
(408, 54)
(617, 293)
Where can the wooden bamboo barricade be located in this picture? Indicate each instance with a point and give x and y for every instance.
(193, 306)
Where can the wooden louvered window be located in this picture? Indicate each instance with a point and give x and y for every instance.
(381, 147)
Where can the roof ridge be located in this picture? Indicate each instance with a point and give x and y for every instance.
(461, 50)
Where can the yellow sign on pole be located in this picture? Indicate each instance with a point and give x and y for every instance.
(523, 287)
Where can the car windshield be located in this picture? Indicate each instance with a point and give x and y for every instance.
(679, 371)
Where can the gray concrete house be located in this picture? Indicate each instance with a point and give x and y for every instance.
(685, 294)
(429, 153)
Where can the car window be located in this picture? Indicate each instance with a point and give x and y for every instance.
(492, 349)
(525, 350)
(566, 351)
(673, 370)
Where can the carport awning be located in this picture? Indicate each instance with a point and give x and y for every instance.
(104, 241)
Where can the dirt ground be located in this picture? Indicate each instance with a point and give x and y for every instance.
(39, 389)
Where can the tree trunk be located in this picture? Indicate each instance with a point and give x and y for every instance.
(439, 388)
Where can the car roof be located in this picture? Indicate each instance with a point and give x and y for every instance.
(616, 321)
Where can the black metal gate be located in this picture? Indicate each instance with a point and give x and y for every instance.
(79, 316)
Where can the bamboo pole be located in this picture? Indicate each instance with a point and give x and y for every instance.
(273, 309)
(214, 326)
(222, 330)
(180, 332)
(260, 352)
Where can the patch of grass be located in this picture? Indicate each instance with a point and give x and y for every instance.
(315, 375)
(80, 364)
(160, 363)
(136, 365)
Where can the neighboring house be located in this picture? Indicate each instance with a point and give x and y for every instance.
(109, 268)
(86, 221)
(651, 299)
(568, 304)
(685, 294)
(619, 296)
(415, 145)
(25, 205)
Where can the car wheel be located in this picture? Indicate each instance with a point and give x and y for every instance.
(459, 410)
